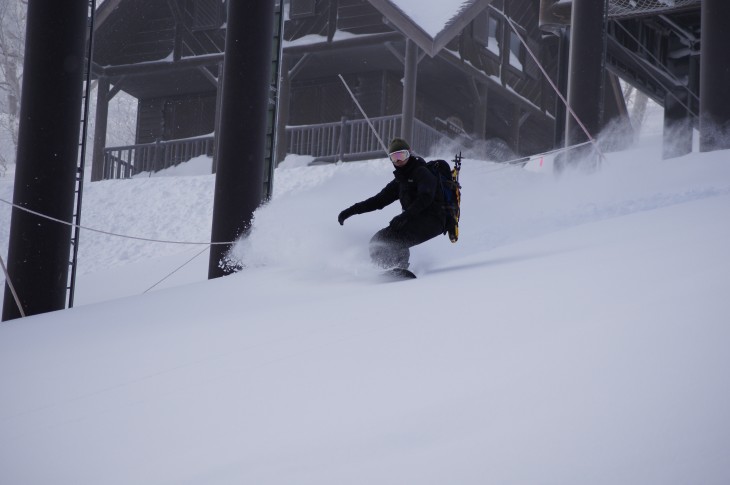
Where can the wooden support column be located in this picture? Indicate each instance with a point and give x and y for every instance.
(480, 93)
(518, 118)
(100, 129)
(409, 90)
(715, 76)
(178, 43)
(515, 126)
(179, 29)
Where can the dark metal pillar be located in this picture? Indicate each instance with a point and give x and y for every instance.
(409, 90)
(586, 71)
(715, 76)
(48, 146)
(100, 128)
(277, 64)
(677, 135)
(242, 138)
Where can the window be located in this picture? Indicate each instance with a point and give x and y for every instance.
(487, 29)
(301, 9)
(516, 52)
(494, 34)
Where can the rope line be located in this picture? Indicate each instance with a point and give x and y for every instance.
(550, 152)
(526, 159)
(115, 234)
(375, 132)
(12, 287)
(177, 269)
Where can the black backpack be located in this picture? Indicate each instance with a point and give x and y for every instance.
(448, 181)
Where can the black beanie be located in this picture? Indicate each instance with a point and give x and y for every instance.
(398, 144)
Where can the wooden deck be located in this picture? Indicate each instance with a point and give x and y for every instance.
(351, 140)
(346, 140)
(126, 161)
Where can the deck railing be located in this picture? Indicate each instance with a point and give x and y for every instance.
(126, 161)
(354, 139)
(345, 140)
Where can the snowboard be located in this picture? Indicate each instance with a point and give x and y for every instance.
(398, 274)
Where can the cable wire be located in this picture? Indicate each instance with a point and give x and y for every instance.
(177, 269)
(375, 132)
(109, 233)
(12, 287)
(526, 159)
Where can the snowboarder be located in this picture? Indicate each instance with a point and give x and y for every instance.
(422, 217)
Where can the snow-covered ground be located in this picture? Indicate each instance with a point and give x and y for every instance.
(576, 334)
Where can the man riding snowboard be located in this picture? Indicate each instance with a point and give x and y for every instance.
(422, 217)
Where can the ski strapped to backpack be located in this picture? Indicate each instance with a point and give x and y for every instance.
(448, 179)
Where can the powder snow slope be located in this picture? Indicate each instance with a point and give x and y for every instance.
(575, 334)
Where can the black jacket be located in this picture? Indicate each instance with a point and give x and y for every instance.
(417, 189)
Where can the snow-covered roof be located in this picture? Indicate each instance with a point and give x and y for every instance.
(434, 18)
(433, 27)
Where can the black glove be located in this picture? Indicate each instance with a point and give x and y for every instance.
(399, 221)
(349, 212)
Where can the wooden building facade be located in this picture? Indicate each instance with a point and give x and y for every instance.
(472, 78)
(143, 46)
(168, 54)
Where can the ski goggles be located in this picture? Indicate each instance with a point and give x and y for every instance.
(399, 156)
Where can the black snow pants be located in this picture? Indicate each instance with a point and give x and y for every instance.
(389, 247)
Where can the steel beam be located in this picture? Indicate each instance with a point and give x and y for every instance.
(586, 72)
(242, 134)
(677, 134)
(715, 76)
(48, 150)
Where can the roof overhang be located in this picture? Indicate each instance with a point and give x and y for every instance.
(429, 43)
